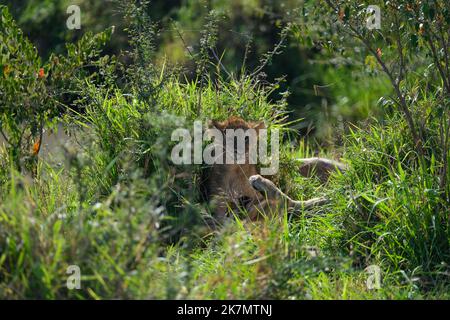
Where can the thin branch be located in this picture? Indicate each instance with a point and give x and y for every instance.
(270, 54)
(4, 136)
(182, 40)
(41, 134)
(219, 61)
(401, 98)
(400, 50)
(443, 42)
(437, 62)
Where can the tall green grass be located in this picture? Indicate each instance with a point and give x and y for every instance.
(135, 226)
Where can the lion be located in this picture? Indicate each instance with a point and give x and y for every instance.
(233, 187)
(226, 186)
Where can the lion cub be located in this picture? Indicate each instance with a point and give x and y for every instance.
(227, 186)
(240, 187)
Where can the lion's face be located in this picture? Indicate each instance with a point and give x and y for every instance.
(241, 135)
(230, 181)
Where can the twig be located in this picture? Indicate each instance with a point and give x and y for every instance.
(219, 61)
(395, 83)
(4, 136)
(270, 54)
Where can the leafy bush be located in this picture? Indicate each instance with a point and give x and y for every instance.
(32, 93)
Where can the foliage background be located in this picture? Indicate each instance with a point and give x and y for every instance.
(254, 25)
(109, 200)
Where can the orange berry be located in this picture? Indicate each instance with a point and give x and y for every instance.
(36, 147)
(41, 73)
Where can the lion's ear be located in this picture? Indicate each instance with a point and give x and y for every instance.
(215, 124)
(259, 125)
